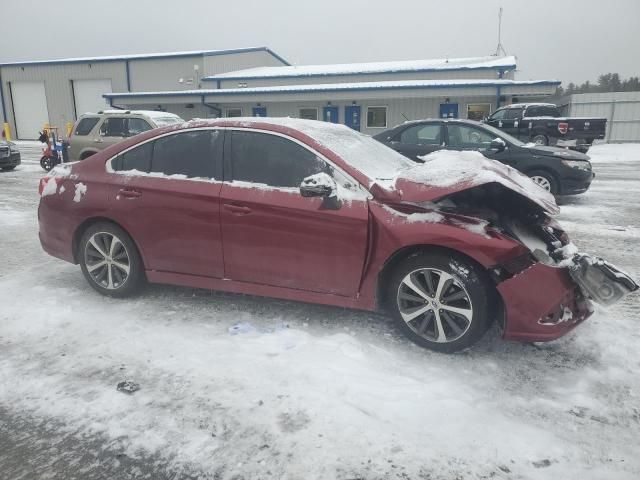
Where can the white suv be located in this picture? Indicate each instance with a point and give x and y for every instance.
(96, 131)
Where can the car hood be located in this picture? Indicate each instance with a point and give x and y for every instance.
(561, 153)
(447, 172)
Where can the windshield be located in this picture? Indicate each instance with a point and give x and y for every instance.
(504, 136)
(164, 121)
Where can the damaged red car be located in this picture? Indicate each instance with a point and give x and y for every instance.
(316, 212)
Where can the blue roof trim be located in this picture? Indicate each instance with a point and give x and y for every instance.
(249, 91)
(501, 68)
(150, 56)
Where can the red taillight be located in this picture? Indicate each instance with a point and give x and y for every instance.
(563, 127)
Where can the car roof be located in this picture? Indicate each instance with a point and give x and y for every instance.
(147, 113)
(527, 105)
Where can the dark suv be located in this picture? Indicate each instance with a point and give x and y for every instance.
(9, 155)
(557, 170)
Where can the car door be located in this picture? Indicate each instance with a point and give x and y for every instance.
(461, 136)
(112, 130)
(165, 193)
(418, 140)
(272, 235)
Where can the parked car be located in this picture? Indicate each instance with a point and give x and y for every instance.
(316, 212)
(94, 132)
(9, 155)
(557, 170)
(542, 123)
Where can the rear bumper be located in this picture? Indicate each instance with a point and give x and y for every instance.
(10, 160)
(542, 303)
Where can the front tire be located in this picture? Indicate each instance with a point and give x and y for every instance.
(544, 180)
(440, 301)
(110, 260)
(540, 139)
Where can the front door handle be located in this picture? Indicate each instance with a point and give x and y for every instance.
(129, 193)
(237, 209)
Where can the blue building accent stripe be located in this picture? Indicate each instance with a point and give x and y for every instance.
(128, 76)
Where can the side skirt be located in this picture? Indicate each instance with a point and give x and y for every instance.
(232, 286)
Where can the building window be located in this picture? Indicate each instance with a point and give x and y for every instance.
(309, 113)
(478, 111)
(234, 112)
(376, 117)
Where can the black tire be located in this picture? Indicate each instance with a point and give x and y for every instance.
(110, 280)
(8, 169)
(543, 174)
(47, 163)
(467, 279)
(540, 139)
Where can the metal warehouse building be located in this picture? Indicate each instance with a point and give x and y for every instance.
(258, 82)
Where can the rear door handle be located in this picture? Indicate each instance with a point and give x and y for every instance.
(129, 193)
(237, 209)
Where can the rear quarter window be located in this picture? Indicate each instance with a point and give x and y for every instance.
(85, 126)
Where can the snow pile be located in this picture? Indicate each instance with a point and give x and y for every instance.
(50, 188)
(615, 153)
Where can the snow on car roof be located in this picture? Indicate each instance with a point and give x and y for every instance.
(372, 67)
(526, 105)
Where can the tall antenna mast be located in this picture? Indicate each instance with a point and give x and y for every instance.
(500, 49)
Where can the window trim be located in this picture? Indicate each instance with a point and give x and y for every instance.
(226, 112)
(386, 115)
(308, 108)
(480, 103)
(109, 168)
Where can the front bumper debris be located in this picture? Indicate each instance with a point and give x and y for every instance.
(599, 280)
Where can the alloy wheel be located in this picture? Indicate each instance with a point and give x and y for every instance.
(435, 305)
(107, 260)
(542, 182)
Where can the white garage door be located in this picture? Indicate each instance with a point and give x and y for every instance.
(30, 108)
(88, 95)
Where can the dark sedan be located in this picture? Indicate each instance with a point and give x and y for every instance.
(9, 155)
(557, 170)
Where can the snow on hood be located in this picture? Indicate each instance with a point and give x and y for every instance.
(446, 172)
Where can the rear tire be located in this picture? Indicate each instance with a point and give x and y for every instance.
(440, 301)
(540, 139)
(544, 180)
(110, 260)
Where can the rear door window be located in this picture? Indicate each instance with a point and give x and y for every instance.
(193, 154)
(429, 134)
(136, 126)
(114, 127)
(272, 160)
(85, 126)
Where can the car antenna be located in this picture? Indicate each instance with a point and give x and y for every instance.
(500, 49)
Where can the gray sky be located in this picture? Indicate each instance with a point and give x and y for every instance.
(571, 40)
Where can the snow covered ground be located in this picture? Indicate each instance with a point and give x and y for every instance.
(301, 391)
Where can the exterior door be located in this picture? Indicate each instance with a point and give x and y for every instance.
(274, 236)
(418, 140)
(87, 95)
(352, 116)
(330, 114)
(448, 110)
(259, 111)
(30, 108)
(174, 220)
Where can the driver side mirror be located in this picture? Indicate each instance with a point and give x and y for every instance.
(318, 185)
(497, 145)
(322, 185)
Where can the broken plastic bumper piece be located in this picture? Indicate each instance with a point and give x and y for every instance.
(600, 281)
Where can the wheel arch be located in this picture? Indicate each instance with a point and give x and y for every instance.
(545, 169)
(80, 229)
(405, 252)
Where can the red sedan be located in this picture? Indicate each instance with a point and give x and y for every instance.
(316, 212)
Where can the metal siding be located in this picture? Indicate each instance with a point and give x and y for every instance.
(57, 79)
(214, 64)
(164, 73)
(621, 109)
